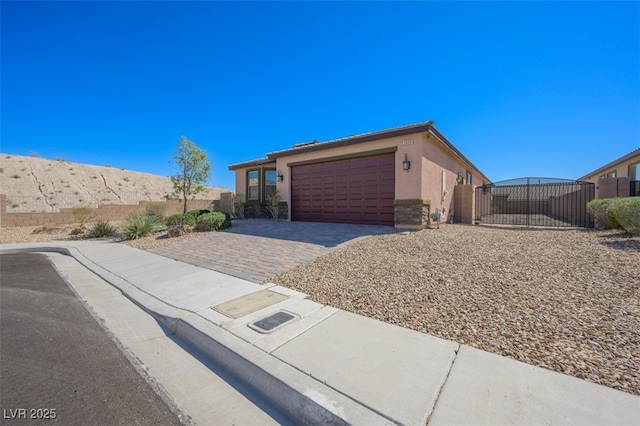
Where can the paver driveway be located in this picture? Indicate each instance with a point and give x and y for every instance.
(258, 249)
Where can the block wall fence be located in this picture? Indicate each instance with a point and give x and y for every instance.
(109, 212)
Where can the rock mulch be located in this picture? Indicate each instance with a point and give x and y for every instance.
(565, 300)
(32, 234)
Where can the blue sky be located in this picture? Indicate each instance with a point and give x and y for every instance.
(521, 88)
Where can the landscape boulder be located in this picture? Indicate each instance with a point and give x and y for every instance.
(179, 230)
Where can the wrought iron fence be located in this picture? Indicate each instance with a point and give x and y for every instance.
(535, 202)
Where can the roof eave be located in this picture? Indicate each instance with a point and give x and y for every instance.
(352, 140)
(251, 163)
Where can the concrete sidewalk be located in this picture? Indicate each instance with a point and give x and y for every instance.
(325, 365)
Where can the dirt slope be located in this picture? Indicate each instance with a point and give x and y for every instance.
(34, 184)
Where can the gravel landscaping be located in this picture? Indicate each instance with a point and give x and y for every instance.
(563, 299)
(566, 300)
(32, 234)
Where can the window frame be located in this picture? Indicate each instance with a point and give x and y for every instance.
(636, 168)
(262, 183)
(248, 185)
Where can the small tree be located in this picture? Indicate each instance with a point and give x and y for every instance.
(272, 200)
(83, 215)
(193, 169)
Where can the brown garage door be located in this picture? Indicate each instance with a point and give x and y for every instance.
(358, 190)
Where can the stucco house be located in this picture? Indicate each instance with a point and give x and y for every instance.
(618, 178)
(391, 177)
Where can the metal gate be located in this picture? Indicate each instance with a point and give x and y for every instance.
(535, 202)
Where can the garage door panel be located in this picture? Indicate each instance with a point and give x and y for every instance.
(342, 179)
(355, 179)
(342, 202)
(342, 217)
(355, 217)
(371, 205)
(341, 192)
(385, 177)
(358, 190)
(370, 190)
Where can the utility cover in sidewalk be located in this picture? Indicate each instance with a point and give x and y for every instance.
(270, 323)
(249, 303)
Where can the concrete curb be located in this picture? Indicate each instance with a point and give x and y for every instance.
(295, 393)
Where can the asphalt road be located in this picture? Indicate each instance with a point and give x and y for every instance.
(57, 364)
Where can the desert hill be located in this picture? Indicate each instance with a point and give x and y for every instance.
(34, 184)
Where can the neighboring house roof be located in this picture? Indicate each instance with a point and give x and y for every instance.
(634, 153)
(423, 126)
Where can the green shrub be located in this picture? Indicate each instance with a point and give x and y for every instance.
(197, 213)
(227, 220)
(613, 220)
(626, 213)
(600, 211)
(156, 209)
(210, 221)
(101, 229)
(136, 226)
(181, 219)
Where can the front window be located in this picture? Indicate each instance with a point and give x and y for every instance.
(611, 174)
(253, 185)
(469, 178)
(269, 181)
(260, 183)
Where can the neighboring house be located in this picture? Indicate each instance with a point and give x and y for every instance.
(395, 177)
(619, 178)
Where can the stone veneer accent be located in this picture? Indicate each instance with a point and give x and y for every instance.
(412, 214)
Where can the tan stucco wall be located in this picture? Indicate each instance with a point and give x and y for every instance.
(429, 160)
(622, 170)
(241, 181)
(440, 170)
